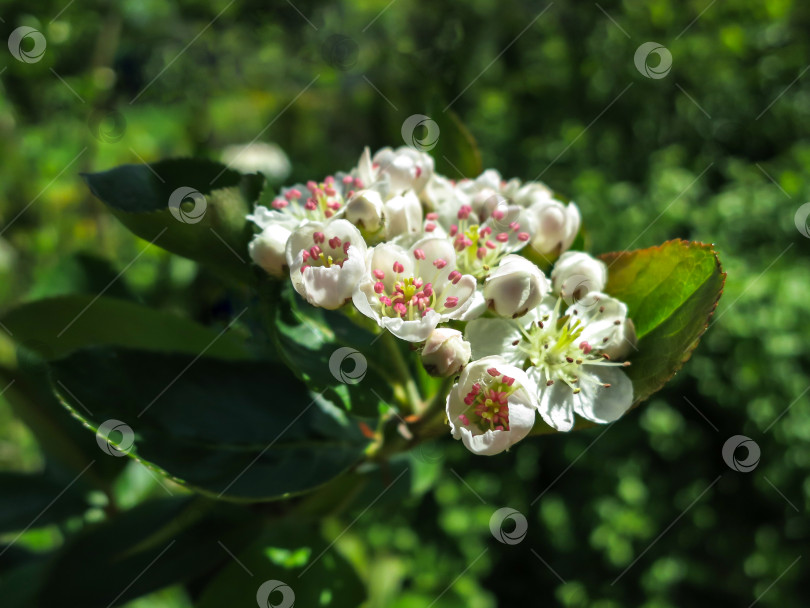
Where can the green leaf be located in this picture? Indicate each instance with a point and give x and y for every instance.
(242, 430)
(19, 585)
(56, 326)
(292, 554)
(68, 448)
(306, 338)
(671, 292)
(216, 234)
(36, 500)
(154, 545)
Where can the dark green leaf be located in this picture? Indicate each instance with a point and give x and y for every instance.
(216, 234)
(156, 544)
(36, 500)
(53, 327)
(240, 429)
(307, 338)
(68, 448)
(296, 556)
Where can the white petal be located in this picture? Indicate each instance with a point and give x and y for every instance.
(521, 421)
(600, 404)
(366, 300)
(383, 257)
(477, 306)
(489, 337)
(463, 290)
(434, 249)
(556, 401)
(268, 249)
(411, 331)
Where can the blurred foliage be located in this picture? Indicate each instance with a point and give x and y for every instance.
(715, 151)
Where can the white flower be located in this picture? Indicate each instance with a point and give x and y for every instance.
(268, 249)
(313, 202)
(401, 169)
(480, 243)
(410, 292)
(576, 274)
(492, 406)
(515, 287)
(403, 215)
(445, 352)
(258, 157)
(440, 190)
(326, 261)
(384, 219)
(555, 225)
(566, 355)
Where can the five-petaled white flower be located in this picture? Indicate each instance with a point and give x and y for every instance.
(409, 292)
(395, 170)
(567, 355)
(481, 239)
(492, 406)
(326, 261)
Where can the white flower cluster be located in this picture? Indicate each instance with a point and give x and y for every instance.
(414, 251)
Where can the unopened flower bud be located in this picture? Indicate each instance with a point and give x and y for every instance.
(576, 274)
(403, 215)
(404, 167)
(515, 287)
(555, 226)
(365, 210)
(268, 249)
(445, 353)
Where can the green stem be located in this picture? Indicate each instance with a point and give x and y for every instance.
(413, 399)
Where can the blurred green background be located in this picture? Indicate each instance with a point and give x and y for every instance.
(717, 151)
